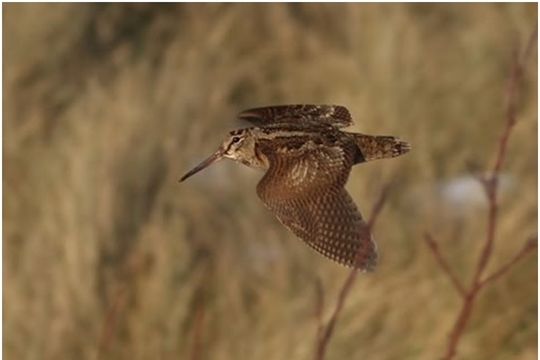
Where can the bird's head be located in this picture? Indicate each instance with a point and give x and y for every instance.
(238, 145)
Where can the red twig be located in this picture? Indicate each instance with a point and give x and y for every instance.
(198, 324)
(531, 245)
(199, 305)
(490, 185)
(511, 100)
(444, 264)
(319, 307)
(325, 333)
(379, 205)
(109, 324)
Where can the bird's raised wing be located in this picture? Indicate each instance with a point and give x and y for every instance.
(305, 191)
(334, 115)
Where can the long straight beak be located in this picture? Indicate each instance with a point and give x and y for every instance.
(218, 155)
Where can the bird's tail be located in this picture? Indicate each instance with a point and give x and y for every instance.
(380, 147)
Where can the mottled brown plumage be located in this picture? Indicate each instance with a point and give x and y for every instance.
(307, 159)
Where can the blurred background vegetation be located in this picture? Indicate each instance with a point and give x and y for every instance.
(105, 106)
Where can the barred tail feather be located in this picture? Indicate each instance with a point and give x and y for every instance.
(380, 147)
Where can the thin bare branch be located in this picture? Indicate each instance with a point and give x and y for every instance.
(530, 246)
(434, 246)
(512, 93)
(376, 210)
(319, 307)
(326, 333)
(529, 47)
(109, 324)
(199, 306)
(490, 185)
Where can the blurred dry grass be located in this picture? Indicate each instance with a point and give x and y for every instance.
(105, 106)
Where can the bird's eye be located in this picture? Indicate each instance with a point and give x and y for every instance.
(235, 139)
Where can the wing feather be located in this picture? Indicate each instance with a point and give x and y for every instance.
(334, 115)
(306, 193)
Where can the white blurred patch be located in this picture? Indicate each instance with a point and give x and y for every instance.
(459, 196)
(263, 257)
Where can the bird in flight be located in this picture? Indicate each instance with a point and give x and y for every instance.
(307, 160)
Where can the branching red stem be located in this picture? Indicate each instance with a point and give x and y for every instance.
(444, 264)
(490, 185)
(530, 246)
(325, 333)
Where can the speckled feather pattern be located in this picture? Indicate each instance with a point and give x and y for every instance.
(310, 161)
(307, 159)
(318, 209)
(335, 115)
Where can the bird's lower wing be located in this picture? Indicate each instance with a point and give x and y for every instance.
(331, 224)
